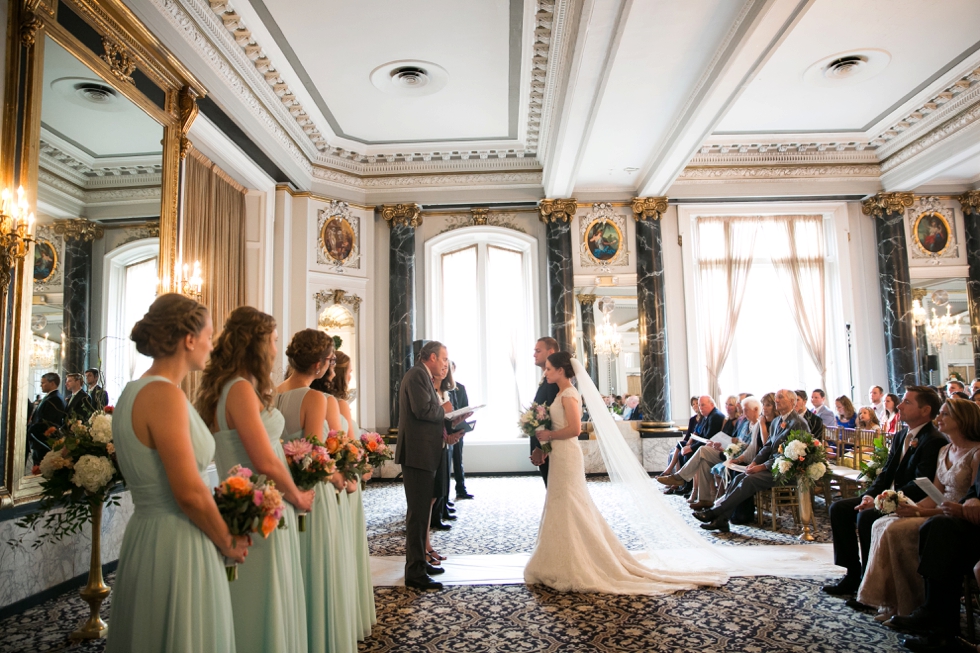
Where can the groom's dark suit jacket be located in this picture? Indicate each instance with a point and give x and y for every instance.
(544, 396)
(421, 422)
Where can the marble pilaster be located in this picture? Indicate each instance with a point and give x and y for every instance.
(403, 219)
(557, 216)
(895, 287)
(587, 304)
(652, 314)
(970, 201)
(78, 234)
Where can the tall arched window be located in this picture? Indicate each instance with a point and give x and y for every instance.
(481, 292)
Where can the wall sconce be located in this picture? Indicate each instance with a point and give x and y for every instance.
(16, 232)
(190, 285)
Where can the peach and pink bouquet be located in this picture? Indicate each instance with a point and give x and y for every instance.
(249, 503)
(346, 453)
(309, 463)
(535, 417)
(377, 452)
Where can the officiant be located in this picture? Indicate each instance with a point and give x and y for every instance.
(546, 394)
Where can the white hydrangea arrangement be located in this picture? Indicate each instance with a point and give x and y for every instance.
(802, 460)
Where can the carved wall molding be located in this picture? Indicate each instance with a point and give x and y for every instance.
(941, 133)
(415, 181)
(478, 217)
(970, 201)
(121, 62)
(83, 175)
(557, 210)
(780, 172)
(648, 208)
(402, 215)
(327, 298)
(139, 232)
(884, 204)
(79, 229)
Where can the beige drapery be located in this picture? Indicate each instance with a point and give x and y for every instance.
(213, 233)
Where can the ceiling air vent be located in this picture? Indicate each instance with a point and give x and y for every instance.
(409, 78)
(844, 67)
(95, 93)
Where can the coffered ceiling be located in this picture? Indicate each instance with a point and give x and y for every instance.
(384, 100)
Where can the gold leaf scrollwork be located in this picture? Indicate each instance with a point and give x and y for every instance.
(481, 216)
(649, 208)
(187, 107)
(79, 229)
(338, 297)
(558, 210)
(884, 204)
(403, 215)
(121, 63)
(970, 201)
(30, 23)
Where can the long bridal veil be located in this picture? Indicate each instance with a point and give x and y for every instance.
(673, 549)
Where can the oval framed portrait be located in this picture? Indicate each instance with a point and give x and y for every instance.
(603, 240)
(337, 239)
(45, 260)
(932, 233)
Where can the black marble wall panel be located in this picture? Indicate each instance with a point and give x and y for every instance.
(588, 338)
(896, 302)
(401, 309)
(77, 289)
(971, 218)
(561, 295)
(652, 314)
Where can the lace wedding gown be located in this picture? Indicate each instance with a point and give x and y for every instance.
(576, 550)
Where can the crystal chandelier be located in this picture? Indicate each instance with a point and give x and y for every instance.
(43, 353)
(607, 339)
(943, 330)
(918, 313)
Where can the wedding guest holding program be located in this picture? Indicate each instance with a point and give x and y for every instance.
(545, 395)
(236, 398)
(171, 593)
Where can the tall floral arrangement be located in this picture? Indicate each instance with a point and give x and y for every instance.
(78, 473)
(802, 460)
(309, 464)
(249, 503)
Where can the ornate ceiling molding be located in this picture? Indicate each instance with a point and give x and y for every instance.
(473, 179)
(937, 135)
(82, 174)
(884, 204)
(779, 172)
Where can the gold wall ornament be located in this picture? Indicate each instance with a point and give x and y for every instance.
(191, 281)
(586, 300)
(481, 216)
(558, 210)
(336, 297)
(884, 204)
(121, 63)
(403, 215)
(79, 229)
(16, 233)
(187, 107)
(648, 208)
(30, 23)
(970, 201)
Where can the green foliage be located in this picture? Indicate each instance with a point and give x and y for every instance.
(870, 469)
(337, 342)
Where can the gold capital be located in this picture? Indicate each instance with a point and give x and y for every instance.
(557, 210)
(649, 208)
(970, 201)
(884, 203)
(403, 215)
(480, 216)
(586, 300)
(79, 229)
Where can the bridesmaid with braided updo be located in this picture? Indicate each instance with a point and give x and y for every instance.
(171, 593)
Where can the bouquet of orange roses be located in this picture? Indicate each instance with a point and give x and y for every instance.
(249, 503)
(377, 452)
(346, 453)
(309, 464)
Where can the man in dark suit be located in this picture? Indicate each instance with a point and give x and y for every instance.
(50, 412)
(546, 394)
(99, 397)
(814, 423)
(459, 399)
(79, 404)
(914, 452)
(711, 423)
(758, 475)
(422, 437)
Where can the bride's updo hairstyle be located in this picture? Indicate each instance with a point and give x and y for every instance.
(307, 349)
(241, 349)
(562, 360)
(171, 318)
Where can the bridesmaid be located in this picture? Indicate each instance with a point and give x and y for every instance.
(362, 558)
(330, 608)
(171, 593)
(235, 399)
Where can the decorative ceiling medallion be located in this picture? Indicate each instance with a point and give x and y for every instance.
(931, 231)
(846, 68)
(409, 78)
(339, 237)
(602, 238)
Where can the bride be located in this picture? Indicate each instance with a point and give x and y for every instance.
(576, 550)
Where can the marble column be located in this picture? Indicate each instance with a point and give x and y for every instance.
(403, 219)
(587, 304)
(557, 216)
(895, 287)
(652, 314)
(77, 274)
(970, 201)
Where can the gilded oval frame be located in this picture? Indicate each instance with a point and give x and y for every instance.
(918, 240)
(588, 247)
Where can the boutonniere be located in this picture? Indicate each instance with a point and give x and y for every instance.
(914, 443)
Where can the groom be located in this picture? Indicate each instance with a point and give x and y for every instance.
(546, 394)
(422, 428)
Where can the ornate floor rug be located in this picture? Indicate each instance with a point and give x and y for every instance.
(757, 615)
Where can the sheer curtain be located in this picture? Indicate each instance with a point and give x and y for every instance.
(799, 262)
(725, 249)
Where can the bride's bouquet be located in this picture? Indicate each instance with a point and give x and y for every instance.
(888, 501)
(535, 418)
(249, 503)
(309, 464)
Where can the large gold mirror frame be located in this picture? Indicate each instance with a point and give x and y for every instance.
(127, 47)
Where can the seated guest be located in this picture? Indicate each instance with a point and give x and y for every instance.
(913, 454)
(79, 404)
(954, 385)
(976, 397)
(49, 413)
(819, 400)
(710, 425)
(768, 410)
(814, 423)
(696, 417)
(758, 475)
(846, 415)
(891, 582)
(892, 419)
(732, 415)
(975, 386)
(867, 420)
(99, 397)
(633, 412)
(959, 395)
(753, 433)
(876, 395)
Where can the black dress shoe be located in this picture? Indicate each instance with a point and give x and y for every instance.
(720, 525)
(854, 604)
(918, 622)
(434, 571)
(464, 496)
(451, 511)
(704, 516)
(439, 526)
(450, 504)
(936, 644)
(844, 587)
(424, 583)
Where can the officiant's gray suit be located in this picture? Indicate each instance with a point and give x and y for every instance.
(421, 425)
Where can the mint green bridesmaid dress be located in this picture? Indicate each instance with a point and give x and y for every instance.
(367, 615)
(268, 599)
(330, 602)
(171, 594)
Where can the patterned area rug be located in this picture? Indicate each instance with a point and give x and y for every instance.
(758, 615)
